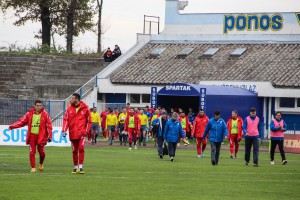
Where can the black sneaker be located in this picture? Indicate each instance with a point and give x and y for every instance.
(284, 162)
(247, 163)
(213, 163)
(81, 171)
(161, 156)
(144, 144)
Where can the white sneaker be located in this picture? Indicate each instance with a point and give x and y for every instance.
(199, 156)
(130, 148)
(135, 147)
(272, 162)
(172, 158)
(178, 144)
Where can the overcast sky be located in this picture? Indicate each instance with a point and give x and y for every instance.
(124, 18)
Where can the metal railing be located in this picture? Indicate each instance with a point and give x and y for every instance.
(13, 109)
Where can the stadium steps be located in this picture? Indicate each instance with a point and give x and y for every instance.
(45, 76)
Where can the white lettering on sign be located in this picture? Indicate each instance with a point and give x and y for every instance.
(178, 87)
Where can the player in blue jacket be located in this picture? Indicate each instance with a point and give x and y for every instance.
(171, 134)
(217, 129)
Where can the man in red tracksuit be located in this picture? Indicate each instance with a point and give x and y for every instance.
(132, 127)
(39, 132)
(198, 129)
(103, 122)
(235, 129)
(78, 120)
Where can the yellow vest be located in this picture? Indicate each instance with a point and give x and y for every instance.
(183, 123)
(131, 122)
(234, 128)
(35, 126)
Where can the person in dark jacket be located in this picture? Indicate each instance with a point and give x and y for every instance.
(160, 122)
(116, 52)
(171, 134)
(217, 129)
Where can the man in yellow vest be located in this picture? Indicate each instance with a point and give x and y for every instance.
(111, 125)
(121, 120)
(144, 127)
(96, 123)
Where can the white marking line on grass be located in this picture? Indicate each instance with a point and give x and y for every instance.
(234, 173)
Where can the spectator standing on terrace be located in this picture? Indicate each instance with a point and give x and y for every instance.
(78, 120)
(38, 134)
(278, 127)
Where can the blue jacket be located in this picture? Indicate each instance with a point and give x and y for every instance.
(259, 127)
(158, 121)
(172, 131)
(274, 128)
(217, 130)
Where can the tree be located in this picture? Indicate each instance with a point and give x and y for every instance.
(53, 15)
(70, 25)
(99, 23)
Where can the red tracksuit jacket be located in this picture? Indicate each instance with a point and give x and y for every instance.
(199, 126)
(45, 130)
(79, 124)
(240, 127)
(137, 123)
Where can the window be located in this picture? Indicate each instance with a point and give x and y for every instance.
(135, 98)
(157, 52)
(238, 52)
(139, 98)
(210, 52)
(184, 52)
(298, 102)
(145, 98)
(287, 103)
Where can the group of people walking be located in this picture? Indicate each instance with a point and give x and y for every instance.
(132, 125)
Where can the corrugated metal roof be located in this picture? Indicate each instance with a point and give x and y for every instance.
(277, 63)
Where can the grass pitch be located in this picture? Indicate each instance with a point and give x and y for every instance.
(117, 173)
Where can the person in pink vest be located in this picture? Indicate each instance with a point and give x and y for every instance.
(278, 127)
(253, 135)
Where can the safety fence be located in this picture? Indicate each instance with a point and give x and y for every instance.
(13, 109)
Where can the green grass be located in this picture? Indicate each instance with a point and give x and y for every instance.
(116, 173)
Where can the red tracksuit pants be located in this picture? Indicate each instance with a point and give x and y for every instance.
(200, 142)
(234, 143)
(132, 134)
(33, 145)
(78, 151)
